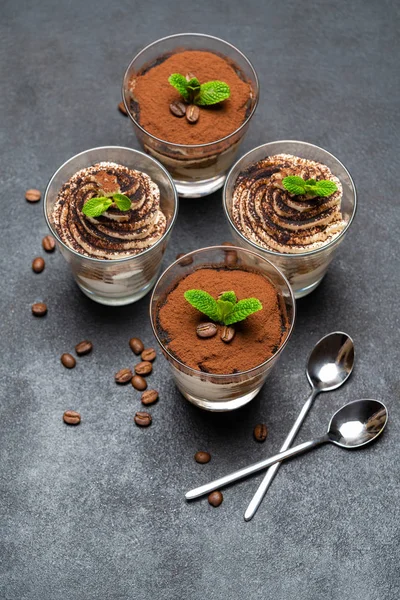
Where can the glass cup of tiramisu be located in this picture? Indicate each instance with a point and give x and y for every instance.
(111, 211)
(191, 125)
(220, 360)
(292, 202)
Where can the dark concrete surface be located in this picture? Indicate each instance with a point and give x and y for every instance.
(97, 511)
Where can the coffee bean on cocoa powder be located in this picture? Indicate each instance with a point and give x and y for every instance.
(38, 264)
(189, 76)
(142, 419)
(39, 309)
(33, 195)
(206, 330)
(148, 354)
(71, 417)
(121, 107)
(177, 108)
(192, 113)
(215, 498)
(139, 383)
(48, 243)
(227, 334)
(83, 348)
(68, 360)
(149, 397)
(184, 262)
(202, 457)
(123, 376)
(260, 432)
(136, 345)
(143, 368)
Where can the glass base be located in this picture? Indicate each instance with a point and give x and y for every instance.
(198, 189)
(118, 300)
(224, 406)
(307, 290)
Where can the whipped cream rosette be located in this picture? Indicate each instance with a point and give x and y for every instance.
(114, 234)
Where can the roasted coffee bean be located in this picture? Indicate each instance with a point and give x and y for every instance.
(149, 397)
(206, 330)
(260, 432)
(227, 334)
(202, 457)
(143, 419)
(71, 417)
(39, 309)
(38, 264)
(48, 243)
(83, 348)
(33, 195)
(215, 498)
(148, 354)
(190, 76)
(231, 258)
(136, 345)
(121, 107)
(139, 383)
(123, 376)
(184, 262)
(192, 113)
(177, 108)
(143, 368)
(68, 360)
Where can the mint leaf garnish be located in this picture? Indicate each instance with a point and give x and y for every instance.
(297, 186)
(179, 82)
(123, 202)
(228, 296)
(294, 184)
(325, 188)
(96, 206)
(242, 310)
(223, 310)
(193, 85)
(204, 303)
(213, 92)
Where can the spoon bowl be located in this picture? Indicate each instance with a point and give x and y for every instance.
(331, 361)
(357, 423)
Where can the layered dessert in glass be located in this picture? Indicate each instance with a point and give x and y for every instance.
(114, 249)
(196, 142)
(298, 229)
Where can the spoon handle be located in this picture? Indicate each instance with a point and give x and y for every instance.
(262, 464)
(272, 471)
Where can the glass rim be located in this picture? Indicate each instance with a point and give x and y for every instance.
(125, 258)
(174, 144)
(287, 254)
(224, 375)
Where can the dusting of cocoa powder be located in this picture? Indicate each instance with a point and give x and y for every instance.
(257, 338)
(154, 94)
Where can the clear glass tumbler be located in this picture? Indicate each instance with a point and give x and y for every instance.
(198, 170)
(125, 280)
(219, 393)
(304, 271)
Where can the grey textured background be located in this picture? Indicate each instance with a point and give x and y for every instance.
(97, 511)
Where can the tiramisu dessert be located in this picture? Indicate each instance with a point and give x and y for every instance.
(288, 204)
(108, 211)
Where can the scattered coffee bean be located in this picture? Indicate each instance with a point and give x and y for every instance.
(121, 107)
(83, 348)
(184, 262)
(123, 376)
(71, 417)
(38, 264)
(215, 498)
(231, 258)
(142, 419)
(39, 309)
(206, 330)
(68, 360)
(177, 108)
(190, 76)
(148, 354)
(202, 457)
(139, 383)
(33, 195)
(143, 368)
(48, 243)
(136, 345)
(192, 113)
(227, 334)
(149, 397)
(260, 432)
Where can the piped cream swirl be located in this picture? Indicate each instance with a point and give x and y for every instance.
(114, 234)
(268, 215)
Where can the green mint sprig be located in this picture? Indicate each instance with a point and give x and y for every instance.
(226, 310)
(202, 94)
(297, 185)
(96, 206)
